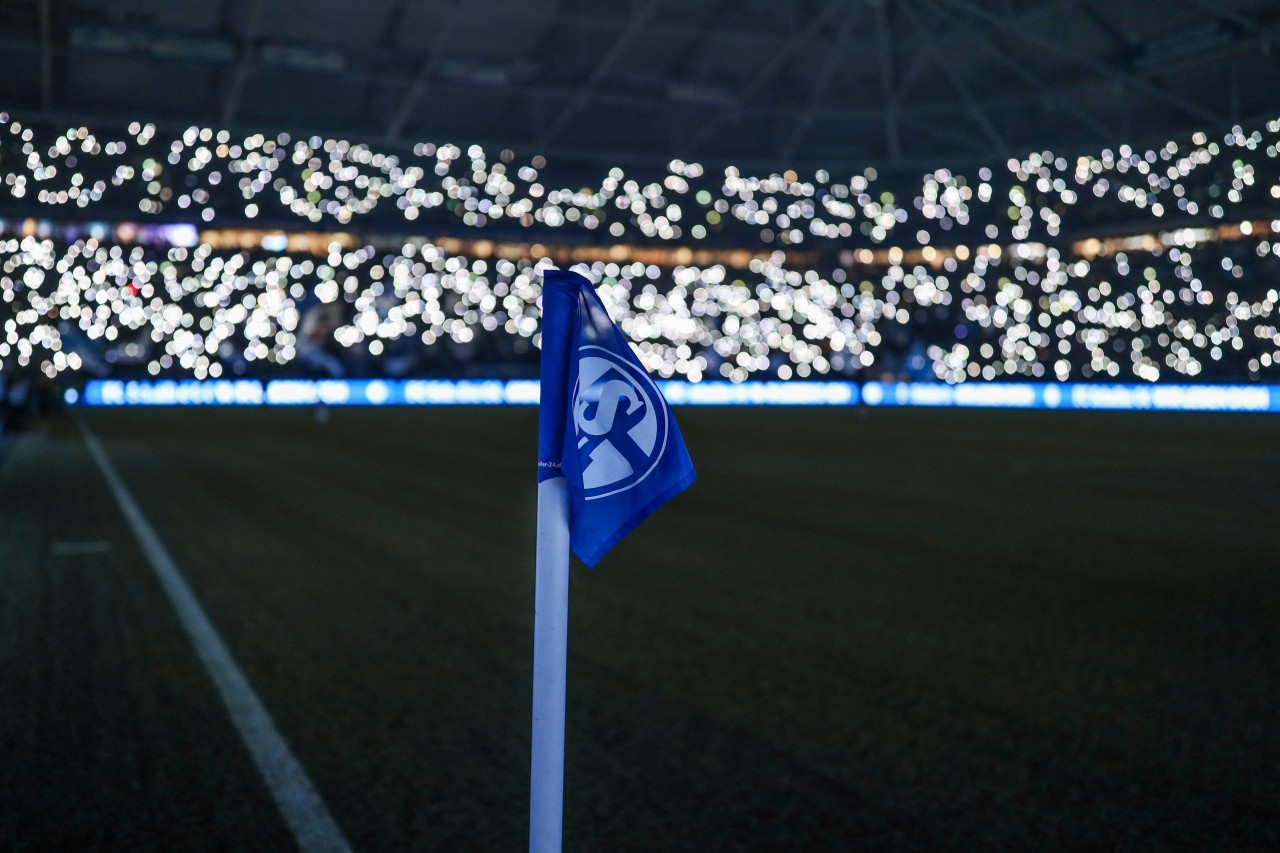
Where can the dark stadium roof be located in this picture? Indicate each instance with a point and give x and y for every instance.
(895, 83)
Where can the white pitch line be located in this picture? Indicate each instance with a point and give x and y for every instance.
(300, 804)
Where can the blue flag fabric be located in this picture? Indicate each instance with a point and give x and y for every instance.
(602, 423)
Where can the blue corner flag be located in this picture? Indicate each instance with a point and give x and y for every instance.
(602, 423)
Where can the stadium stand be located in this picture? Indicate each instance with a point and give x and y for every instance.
(1121, 266)
(107, 306)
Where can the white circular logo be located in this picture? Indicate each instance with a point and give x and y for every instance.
(619, 421)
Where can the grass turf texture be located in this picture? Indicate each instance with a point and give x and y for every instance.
(901, 629)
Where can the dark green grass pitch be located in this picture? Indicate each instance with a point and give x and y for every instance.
(901, 630)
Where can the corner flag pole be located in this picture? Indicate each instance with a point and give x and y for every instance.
(550, 652)
(589, 376)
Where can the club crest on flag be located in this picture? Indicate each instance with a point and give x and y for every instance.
(620, 420)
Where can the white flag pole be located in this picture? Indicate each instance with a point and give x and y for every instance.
(550, 653)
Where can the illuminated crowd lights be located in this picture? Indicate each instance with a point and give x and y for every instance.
(969, 278)
(1190, 306)
(203, 173)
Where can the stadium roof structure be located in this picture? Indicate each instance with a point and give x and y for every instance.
(900, 84)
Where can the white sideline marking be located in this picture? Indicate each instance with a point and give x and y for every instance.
(300, 804)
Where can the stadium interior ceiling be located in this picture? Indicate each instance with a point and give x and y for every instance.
(901, 84)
